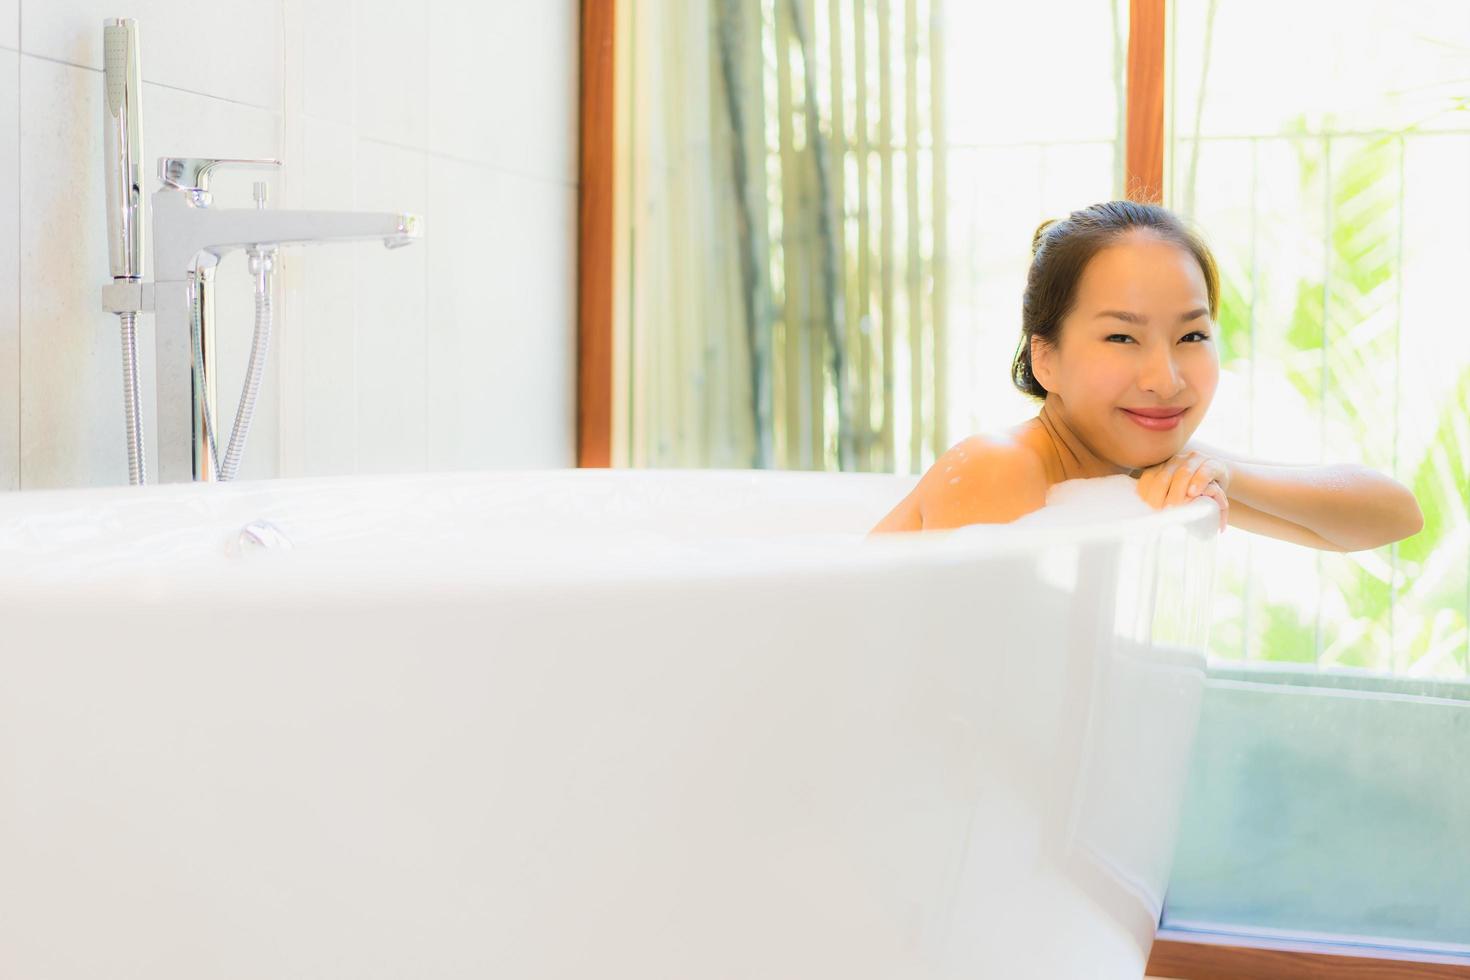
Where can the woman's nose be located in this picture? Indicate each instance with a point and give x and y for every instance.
(1161, 376)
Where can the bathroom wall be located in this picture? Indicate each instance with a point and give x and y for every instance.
(456, 352)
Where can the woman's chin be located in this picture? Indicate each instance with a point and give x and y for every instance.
(1142, 458)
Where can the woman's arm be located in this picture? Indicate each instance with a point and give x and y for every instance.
(1346, 506)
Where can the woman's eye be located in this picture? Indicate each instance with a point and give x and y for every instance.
(1193, 333)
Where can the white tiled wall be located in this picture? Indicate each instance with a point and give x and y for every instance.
(9, 257)
(456, 352)
(10, 24)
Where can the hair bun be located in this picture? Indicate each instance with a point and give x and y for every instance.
(1040, 231)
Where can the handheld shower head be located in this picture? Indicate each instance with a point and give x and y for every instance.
(123, 147)
(122, 165)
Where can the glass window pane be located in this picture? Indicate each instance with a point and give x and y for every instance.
(1335, 188)
(1325, 152)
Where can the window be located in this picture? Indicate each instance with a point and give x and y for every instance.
(1325, 151)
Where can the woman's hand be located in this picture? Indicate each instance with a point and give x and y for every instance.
(1183, 478)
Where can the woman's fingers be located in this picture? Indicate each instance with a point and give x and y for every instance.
(1167, 484)
(1153, 486)
(1183, 477)
(1213, 491)
(1209, 472)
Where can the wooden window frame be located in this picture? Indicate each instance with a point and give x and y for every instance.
(595, 292)
(1143, 175)
(1174, 955)
(1181, 956)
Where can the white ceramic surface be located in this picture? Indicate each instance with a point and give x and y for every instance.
(572, 723)
(501, 388)
(471, 53)
(392, 70)
(10, 24)
(392, 301)
(9, 270)
(221, 51)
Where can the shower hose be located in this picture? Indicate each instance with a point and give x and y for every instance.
(132, 410)
(262, 265)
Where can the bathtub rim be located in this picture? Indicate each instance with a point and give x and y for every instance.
(321, 576)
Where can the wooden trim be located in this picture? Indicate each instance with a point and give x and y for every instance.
(1198, 960)
(595, 237)
(1143, 177)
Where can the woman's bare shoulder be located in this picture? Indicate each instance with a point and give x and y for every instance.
(982, 479)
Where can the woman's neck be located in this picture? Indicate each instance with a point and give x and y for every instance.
(1067, 456)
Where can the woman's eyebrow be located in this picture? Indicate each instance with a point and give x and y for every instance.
(1139, 318)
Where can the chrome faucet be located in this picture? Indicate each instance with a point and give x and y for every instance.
(189, 237)
(188, 232)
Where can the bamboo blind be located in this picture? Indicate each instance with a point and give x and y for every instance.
(786, 185)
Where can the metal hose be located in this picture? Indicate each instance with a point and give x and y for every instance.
(262, 263)
(132, 404)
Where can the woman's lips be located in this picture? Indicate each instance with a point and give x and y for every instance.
(1153, 421)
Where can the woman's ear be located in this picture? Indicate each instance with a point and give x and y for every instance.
(1041, 366)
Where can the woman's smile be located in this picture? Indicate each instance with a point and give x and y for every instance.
(1156, 419)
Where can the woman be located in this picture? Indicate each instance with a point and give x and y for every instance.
(1118, 342)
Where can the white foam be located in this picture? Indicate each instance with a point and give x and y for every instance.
(1088, 501)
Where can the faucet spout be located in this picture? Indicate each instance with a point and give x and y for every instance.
(182, 231)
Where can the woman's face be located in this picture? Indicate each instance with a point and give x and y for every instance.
(1139, 336)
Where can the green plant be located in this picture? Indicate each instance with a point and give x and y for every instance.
(1401, 607)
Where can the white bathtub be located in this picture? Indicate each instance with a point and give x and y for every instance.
(591, 724)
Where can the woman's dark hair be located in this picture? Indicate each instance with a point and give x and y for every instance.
(1060, 250)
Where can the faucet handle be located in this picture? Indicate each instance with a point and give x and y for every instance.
(193, 173)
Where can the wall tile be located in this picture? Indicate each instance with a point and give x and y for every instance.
(10, 24)
(318, 336)
(225, 50)
(9, 271)
(329, 76)
(501, 337)
(391, 312)
(391, 69)
(321, 60)
(71, 382)
(473, 57)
